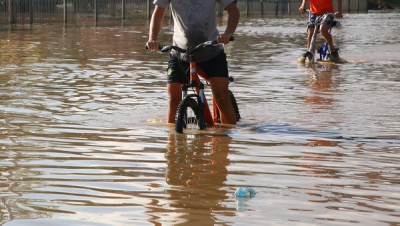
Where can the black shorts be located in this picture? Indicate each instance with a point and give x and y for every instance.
(178, 71)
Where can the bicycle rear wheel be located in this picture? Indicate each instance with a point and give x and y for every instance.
(189, 115)
(235, 105)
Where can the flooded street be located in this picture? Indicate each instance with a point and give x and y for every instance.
(84, 139)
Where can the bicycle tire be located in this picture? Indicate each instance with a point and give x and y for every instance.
(235, 105)
(189, 113)
(308, 56)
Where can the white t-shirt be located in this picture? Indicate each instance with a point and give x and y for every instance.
(194, 23)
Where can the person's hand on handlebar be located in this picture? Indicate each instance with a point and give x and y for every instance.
(223, 38)
(338, 15)
(302, 8)
(153, 45)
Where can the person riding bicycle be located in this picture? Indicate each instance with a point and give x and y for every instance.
(322, 11)
(194, 23)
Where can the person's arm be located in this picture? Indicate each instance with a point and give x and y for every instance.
(233, 21)
(339, 14)
(302, 7)
(155, 27)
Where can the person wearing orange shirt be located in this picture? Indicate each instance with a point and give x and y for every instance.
(322, 11)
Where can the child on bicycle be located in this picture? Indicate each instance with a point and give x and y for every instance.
(194, 23)
(322, 11)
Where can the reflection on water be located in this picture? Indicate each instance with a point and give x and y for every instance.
(319, 80)
(196, 172)
(84, 139)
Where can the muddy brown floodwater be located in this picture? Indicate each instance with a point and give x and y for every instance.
(84, 141)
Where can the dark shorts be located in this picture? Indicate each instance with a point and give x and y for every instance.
(178, 71)
(326, 18)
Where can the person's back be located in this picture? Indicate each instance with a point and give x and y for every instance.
(194, 23)
(321, 6)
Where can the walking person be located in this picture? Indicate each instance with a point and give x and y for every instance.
(194, 23)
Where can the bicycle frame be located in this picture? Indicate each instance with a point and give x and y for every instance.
(195, 72)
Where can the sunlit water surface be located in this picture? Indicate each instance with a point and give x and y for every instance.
(84, 139)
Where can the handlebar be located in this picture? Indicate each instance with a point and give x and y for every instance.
(190, 50)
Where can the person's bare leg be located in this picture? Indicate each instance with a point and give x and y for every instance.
(175, 97)
(327, 36)
(219, 87)
(310, 34)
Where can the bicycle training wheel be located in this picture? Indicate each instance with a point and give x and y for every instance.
(189, 115)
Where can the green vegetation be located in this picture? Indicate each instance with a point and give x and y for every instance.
(393, 3)
(382, 4)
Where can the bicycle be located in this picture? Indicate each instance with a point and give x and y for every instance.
(193, 111)
(323, 50)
